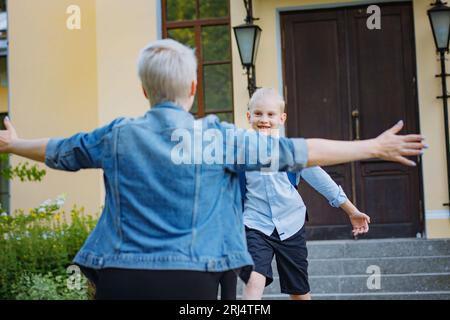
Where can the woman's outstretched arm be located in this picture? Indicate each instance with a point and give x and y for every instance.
(11, 143)
(388, 146)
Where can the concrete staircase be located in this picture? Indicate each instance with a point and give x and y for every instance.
(409, 269)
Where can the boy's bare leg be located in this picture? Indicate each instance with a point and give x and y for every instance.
(301, 296)
(255, 287)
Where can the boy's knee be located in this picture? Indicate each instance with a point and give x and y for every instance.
(256, 281)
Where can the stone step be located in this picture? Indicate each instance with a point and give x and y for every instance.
(422, 282)
(411, 269)
(389, 283)
(387, 265)
(378, 248)
(434, 295)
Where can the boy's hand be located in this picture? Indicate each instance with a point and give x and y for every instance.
(7, 137)
(360, 222)
(393, 147)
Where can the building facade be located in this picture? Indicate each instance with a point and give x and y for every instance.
(72, 67)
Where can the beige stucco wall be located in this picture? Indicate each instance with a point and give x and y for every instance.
(63, 81)
(241, 97)
(438, 228)
(432, 123)
(123, 29)
(53, 90)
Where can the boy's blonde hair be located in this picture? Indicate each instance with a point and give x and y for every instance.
(263, 94)
(166, 69)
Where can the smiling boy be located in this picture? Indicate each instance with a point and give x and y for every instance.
(274, 212)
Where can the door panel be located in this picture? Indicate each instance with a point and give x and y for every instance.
(318, 61)
(317, 100)
(382, 90)
(334, 65)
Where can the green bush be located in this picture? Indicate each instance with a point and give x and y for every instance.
(37, 248)
(23, 171)
(48, 287)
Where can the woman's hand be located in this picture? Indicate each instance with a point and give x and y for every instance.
(388, 146)
(392, 147)
(7, 137)
(10, 143)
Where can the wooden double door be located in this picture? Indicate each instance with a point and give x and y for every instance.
(344, 81)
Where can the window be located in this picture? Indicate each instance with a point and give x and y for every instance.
(205, 26)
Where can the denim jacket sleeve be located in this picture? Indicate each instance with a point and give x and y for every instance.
(247, 150)
(322, 183)
(81, 151)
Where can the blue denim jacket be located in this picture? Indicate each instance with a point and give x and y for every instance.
(158, 214)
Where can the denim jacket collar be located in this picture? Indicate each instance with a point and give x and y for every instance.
(168, 105)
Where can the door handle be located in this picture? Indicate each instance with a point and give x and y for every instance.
(356, 125)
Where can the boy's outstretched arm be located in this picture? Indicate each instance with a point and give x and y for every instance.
(11, 143)
(388, 146)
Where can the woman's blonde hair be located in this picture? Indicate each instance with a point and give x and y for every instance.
(166, 69)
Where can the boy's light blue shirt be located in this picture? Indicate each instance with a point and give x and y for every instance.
(273, 202)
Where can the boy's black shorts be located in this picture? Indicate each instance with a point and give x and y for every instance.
(291, 256)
